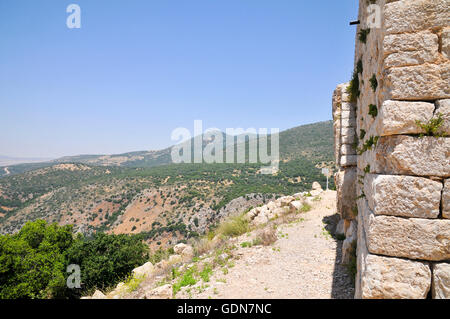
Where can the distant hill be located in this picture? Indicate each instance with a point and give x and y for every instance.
(143, 192)
(7, 160)
(312, 141)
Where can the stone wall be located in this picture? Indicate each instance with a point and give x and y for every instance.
(403, 150)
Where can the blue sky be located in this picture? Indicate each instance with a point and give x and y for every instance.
(136, 70)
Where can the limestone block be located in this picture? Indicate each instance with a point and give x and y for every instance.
(295, 206)
(146, 270)
(411, 238)
(348, 122)
(380, 277)
(393, 278)
(408, 49)
(396, 117)
(441, 281)
(446, 200)
(421, 82)
(348, 160)
(416, 15)
(405, 196)
(406, 42)
(443, 107)
(346, 106)
(346, 192)
(162, 292)
(407, 155)
(347, 149)
(348, 114)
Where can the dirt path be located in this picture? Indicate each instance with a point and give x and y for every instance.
(303, 263)
(6, 171)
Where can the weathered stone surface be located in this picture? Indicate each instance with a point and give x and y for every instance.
(340, 228)
(347, 149)
(146, 270)
(380, 277)
(98, 295)
(415, 15)
(422, 82)
(346, 192)
(175, 259)
(393, 278)
(441, 281)
(348, 136)
(163, 292)
(446, 199)
(295, 206)
(408, 49)
(406, 196)
(424, 40)
(446, 42)
(345, 106)
(348, 122)
(348, 160)
(443, 108)
(407, 155)
(396, 117)
(411, 238)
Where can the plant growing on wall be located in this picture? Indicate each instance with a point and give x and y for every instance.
(353, 87)
(373, 82)
(359, 67)
(432, 127)
(369, 144)
(373, 110)
(363, 33)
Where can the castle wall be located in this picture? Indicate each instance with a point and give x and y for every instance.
(403, 150)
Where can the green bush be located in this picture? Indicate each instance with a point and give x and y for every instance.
(106, 259)
(32, 262)
(236, 226)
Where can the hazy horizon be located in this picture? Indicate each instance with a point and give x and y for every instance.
(136, 71)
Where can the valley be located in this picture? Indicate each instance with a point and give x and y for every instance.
(163, 202)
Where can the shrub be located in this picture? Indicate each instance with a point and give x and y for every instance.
(373, 82)
(373, 110)
(353, 87)
(236, 226)
(106, 259)
(432, 128)
(362, 35)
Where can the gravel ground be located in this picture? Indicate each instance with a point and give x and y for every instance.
(303, 263)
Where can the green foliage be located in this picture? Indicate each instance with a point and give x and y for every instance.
(32, 262)
(359, 67)
(305, 208)
(369, 144)
(362, 35)
(373, 110)
(353, 87)
(362, 134)
(432, 127)
(236, 226)
(373, 82)
(106, 259)
(187, 279)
